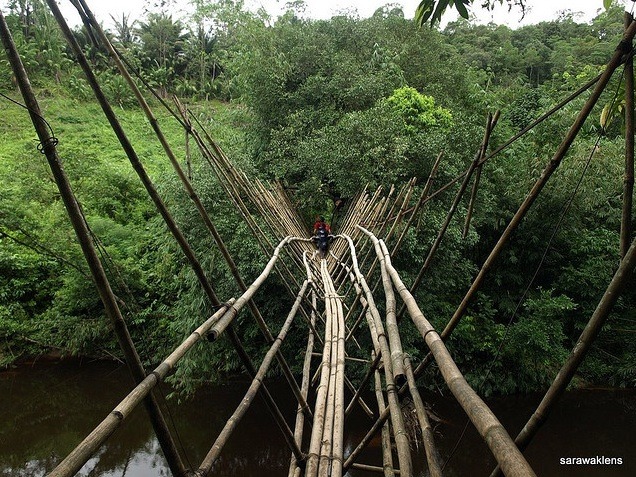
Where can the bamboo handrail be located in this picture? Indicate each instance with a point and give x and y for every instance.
(232, 422)
(494, 434)
(74, 461)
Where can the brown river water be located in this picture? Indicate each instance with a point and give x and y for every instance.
(46, 409)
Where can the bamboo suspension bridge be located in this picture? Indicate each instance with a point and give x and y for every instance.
(335, 297)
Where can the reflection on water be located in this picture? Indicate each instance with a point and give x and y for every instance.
(49, 408)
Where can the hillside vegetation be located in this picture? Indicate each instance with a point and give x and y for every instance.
(326, 107)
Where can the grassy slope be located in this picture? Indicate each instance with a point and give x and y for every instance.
(116, 206)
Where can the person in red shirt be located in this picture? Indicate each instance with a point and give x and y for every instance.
(320, 223)
(322, 236)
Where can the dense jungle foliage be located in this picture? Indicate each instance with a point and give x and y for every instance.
(325, 106)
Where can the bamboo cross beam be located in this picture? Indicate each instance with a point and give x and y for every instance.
(492, 432)
(88, 249)
(236, 417)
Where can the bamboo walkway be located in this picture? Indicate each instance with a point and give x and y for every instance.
(356, 283)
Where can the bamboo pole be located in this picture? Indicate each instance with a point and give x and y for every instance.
(232, 422)
(371, 468)
(102, 284)
(314, 453)
(397, 420)
(130, 151)
(621, 278)
(300, 416)
(488, 426)
(615, 61)
(387, 455)
(432, 457)
(83, 452)
(420, 202)
(628, 181)
(326, 444)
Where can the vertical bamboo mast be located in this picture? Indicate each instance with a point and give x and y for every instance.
(81, 230)
(621, 278)
(628, 184)
(617, 58)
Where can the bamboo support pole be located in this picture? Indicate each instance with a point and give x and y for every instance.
(471, 202)
(387, 455)
(300, 415)
(392, 329)
(621, 278)
(232, 192)
(615, 61)
(326, 444)
(490, 124)
(628, 180)
(232, 422)
(88, 249)
(432, 457)
(372, 468)
(83, 452)
(494, 434)
(397, 420)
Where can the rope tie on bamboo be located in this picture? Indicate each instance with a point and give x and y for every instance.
(49, 144)
(432, 330)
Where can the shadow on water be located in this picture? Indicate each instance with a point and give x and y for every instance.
(50, 407)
